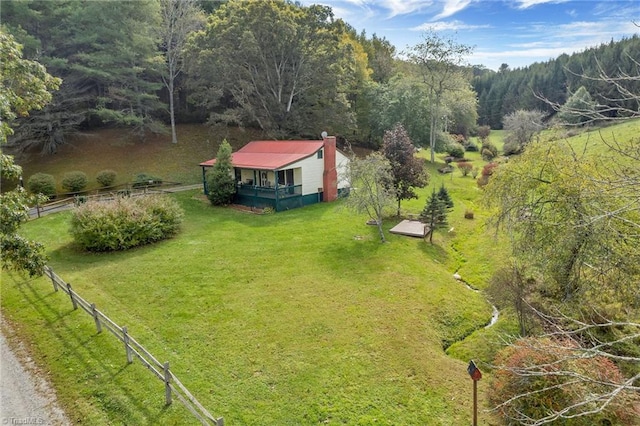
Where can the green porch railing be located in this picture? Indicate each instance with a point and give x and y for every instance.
(280, 198)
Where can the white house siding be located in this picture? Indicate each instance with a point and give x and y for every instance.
(342, 164)
(311, 169)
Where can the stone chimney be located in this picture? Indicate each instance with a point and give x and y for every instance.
(330, 175)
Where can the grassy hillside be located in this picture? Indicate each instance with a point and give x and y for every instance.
(120, 151)
(300, 317)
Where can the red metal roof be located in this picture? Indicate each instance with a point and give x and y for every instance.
(271, 155)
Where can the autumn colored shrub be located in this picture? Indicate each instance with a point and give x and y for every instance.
(125, 222)
(465, 167)
(486, 173)
(540, 377)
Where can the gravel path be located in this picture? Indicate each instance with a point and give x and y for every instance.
(26, 398)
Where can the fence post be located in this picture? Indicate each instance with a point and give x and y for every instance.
(220, 422)
(126, 345)
(167, 385)
(53, 279)
(94, 313)
(75, 304)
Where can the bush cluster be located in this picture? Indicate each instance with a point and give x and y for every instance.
(42, 183)
(455, 150)
(487, 171)
(125, 222)
(488, 151)
(106, 178)
(144, 179)
(74, 181)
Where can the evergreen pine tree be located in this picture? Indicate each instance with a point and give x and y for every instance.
(220, 180)
(434, 214)
(443, 194)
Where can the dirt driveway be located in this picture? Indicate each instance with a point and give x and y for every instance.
(26, 398)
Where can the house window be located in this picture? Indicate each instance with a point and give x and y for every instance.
(320, 154)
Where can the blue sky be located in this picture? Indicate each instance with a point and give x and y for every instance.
(518, 32)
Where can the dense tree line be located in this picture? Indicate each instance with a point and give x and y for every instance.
(290, 70)
(529, 88)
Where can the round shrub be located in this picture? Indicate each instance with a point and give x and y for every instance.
(455, 150)
(144, 179)
(489, 151)
(471, 147)
(42, 183)
(465, 167)
(106, 178)
(74, 181)
(511, 148)
(125, 222)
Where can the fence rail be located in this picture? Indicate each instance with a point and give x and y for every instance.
(173, 386)
(66, 200)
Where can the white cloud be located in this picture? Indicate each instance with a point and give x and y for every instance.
(447, 26)
(451, 7)
(525, 4)
(601, 30)
(403, 7)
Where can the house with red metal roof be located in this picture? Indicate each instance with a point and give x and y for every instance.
(287, 174)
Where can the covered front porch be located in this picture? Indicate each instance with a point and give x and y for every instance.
(276, 189)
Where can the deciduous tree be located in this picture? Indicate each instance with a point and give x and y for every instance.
(440, 60)
(180, 18)
(371, 191)
(520, 127)
(273, 64)
(408, 171)
(24, 85)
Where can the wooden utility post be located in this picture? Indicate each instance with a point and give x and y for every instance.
(476, 375)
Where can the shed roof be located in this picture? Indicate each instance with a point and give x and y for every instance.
(271, 155)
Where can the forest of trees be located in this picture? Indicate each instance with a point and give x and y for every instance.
(529, 88)
(290, 70)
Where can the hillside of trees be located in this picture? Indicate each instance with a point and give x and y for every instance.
(289, 70)
(506, 91)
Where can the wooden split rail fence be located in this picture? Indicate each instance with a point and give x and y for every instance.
(173, 386)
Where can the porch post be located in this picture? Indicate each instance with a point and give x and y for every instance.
(204, 181)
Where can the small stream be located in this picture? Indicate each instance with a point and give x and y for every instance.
(496, 313)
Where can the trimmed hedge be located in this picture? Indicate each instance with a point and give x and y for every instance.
(42, 183)
(125, 222)
(74, 181)
(106, 178)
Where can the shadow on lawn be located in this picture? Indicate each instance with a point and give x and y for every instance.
(81, 349)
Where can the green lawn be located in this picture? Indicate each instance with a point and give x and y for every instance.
(300, 317)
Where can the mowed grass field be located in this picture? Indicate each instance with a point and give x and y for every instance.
(300, 317)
